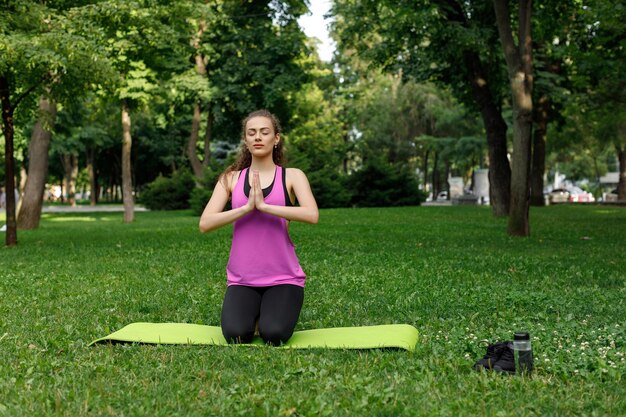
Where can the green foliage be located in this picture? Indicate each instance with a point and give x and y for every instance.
(330, 188)
(168, 193)
(449, 271)
(42, 49)
(428, 41)
(258, 63)
(200, 196)
(380, 184)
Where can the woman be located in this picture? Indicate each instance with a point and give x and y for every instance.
(265, 280)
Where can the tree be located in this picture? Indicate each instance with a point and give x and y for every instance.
(39, 57)
(145, 40)
(599, 53)
(258, 62)
(446, 41)
(519, 63)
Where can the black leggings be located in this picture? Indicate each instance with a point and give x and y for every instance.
(276, 308)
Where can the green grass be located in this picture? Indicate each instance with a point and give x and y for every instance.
(450, 271)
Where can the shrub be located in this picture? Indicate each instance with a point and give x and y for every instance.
(330, 189)
(169, 193)
(200, 196)
(380, 184)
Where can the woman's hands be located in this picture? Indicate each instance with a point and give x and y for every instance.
(214, 217)
(255, 199)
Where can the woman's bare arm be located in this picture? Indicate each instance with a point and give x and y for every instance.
(307, 210)
(214, 216)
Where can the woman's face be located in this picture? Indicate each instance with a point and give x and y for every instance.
(260, 137)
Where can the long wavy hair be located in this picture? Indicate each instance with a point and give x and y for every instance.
(244, 159)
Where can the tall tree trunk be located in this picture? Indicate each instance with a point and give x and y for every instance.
(22, 185)
(127, 179)
(70, 165)
(425, 170)
(621, 185)
(519, 64)
(196, 165)
(192, 153)
(9, 164)
(208, 136)
(23, 178)
(495, 127)
(91, 172)
(435, 176)
(538, 166)
(32, 200)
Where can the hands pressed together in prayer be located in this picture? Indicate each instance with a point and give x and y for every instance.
(255, 200)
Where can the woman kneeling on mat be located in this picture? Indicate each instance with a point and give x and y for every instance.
(265, 280)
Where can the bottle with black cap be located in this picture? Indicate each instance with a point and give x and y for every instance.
(523, 353)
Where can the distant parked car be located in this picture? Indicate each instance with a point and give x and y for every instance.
(578, 195)
(558, 195)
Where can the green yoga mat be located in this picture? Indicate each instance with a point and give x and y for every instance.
(402, 336)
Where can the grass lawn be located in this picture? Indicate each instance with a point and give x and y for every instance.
(450, 271)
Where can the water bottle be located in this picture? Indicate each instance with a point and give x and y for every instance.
(523, 353)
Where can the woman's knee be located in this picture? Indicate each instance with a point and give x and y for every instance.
(237, 333)
(276, 333)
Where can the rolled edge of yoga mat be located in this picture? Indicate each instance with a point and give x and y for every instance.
(402, 336)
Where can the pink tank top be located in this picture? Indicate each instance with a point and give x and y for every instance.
(262, 253)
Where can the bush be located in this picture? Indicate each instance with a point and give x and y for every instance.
(198, 200)
(169, 193)
(200, 196)
(330, 189)
(380, 184)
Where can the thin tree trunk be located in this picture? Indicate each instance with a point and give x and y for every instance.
(196, 165)
(22, 185)
(9, 163)
(495, 126)
(538, 166)
(192, 153)
(70, 165)
(91, 172)
(208, 137)
(621, 185)
(23, 178)
(127, 179)
(435, 176)
(519, 64)
(32, 200)
(425, 168)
